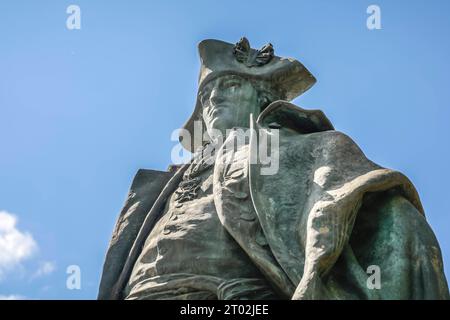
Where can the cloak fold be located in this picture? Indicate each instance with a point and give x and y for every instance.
(145, 188)
(308, 212)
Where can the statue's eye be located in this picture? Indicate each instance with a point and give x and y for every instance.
(231, 84)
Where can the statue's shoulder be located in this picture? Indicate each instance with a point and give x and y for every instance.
(306, 131)
(312, 153)
(149, 182)
(282, 114)
(145, 177)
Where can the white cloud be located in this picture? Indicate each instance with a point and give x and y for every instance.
(44, 269)
(15, 245)
(12, 297)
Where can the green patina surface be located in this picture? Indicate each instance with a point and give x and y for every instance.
(328, 223)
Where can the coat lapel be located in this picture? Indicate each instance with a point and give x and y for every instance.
(237, 214)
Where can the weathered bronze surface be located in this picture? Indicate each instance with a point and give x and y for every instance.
(218, 228)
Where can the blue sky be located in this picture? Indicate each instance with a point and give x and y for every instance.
(82, 110)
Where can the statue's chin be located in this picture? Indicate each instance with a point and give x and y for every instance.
(218, 127)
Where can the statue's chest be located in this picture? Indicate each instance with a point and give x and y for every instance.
(226, 174)
(190, 234)
(192, 209)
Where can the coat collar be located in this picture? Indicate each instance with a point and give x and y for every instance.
(283, 114)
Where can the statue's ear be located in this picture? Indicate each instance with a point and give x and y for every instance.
(283, 114)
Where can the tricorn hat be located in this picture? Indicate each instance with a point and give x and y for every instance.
(219, 58)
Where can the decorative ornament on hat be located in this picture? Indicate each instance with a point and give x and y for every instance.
(243, 53)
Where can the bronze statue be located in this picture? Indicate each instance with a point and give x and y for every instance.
(221, 228)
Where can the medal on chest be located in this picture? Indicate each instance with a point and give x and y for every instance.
(190, 186)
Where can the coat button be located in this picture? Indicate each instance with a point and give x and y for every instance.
(248, 216)
(261, 238)
(240, 195)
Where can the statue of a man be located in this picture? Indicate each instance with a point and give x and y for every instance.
(327, 223)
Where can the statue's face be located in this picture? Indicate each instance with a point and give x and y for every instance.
(228, 102)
